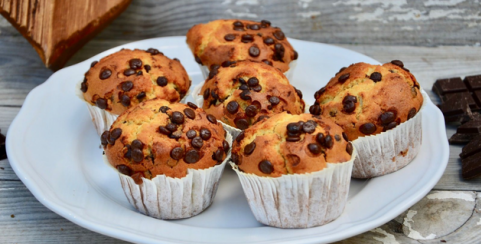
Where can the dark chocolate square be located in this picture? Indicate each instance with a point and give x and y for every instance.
(460, 96)
(451, 85)
(472, 126)
(472, 82)
(472, 148)
(471, 166)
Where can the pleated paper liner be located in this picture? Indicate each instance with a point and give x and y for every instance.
(391, 150)
(298, 200)
(166, 197)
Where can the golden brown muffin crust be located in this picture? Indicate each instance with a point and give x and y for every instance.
(290, 144)
(368, 99)
(246, 91)
(157, 137)
(126, 78)
(232, 40)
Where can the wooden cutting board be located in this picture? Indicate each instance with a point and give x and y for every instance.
(58, 28)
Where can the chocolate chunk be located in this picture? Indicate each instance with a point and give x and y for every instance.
(83, 86)
(135, 63)
(125, 100)
(343, 78)
(328, 141)
(177, 153)
(397, 63)
(171, 127)
(105, 74)
(161, 81)
(137, 155)
(240, 136)
(127, 86)
(411, 113)
(241, 123)
(164, 109)
(191, 134)
(247, 38)
(129, 72)
(141, 96)
(268, 41)
(218, 155)
(471, 148)
(249, 149)
(189, 113)
(279, 35)
(101, 103)
(376, 77)
(206, 94)
(315, 109)
(458, 138)
(93, 64)
(104, 137)
(344, 136)
(349, 148)
(192, 156)
(225, 146)
(164, 130)
(462, 96)
(472, 126)
(472, 82)
(232, 107)
(266, 167)
(205, 134)
(245, 95)
(124, 169)
(274, 100)
(471, 166)
(309, 126)
(477, 97)
(451, 85)
(147, 68)
(254, 51)
(253, 81)
(177, 117)
(314, 148)
(387, 117)
(251, 111)
(212, 119)
(368, 128)
(229, 37)
(197, 142)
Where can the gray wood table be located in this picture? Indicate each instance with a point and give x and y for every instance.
(434, 38)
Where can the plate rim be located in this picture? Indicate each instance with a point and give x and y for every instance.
(93, 225)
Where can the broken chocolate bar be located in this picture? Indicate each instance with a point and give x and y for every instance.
(471, 166)
(451, 85)
(471, 148)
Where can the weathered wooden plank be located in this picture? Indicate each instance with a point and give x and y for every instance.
(333, 21)
(25, 220)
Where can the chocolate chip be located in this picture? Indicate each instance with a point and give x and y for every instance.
(238, 28)
(229, 37)
(274, 100)
(243, 87)
(225, 146)
(164, 130)
(206, 94)
(235, 159)
(253, 81)
(177, 117)
(128, 153)
(189, 113)
(232, 107)
(238, 24)
(279, 51)
(192, 105)
(205, 134)
(293, 128)
(344, 77)
(320, 92)
(141, 96)
(197, 142)
(397, 63)
(198, 60)
(191, 134)
(257, 88)
(137, 155)
(104, 137)
(320, 138)
(337, 137)
(268, 41)
(147, 68)
(251, 111)
(161, 81)
(300, 94)
(265, 23)
(411, 113)
(279, 35)
(267, 62)
(175, 135)
(192, 156)
(367, 128)
(124, 169)
(242, 81)
(101, 103)
(349, 148)
(350, 98)
(266, 167)
(171, 127)
(164, 109)
(93, 64)
(241, 124)
(293, 138)
(341, 69)
(254, 27)
(137, 144)
(153, 51)
(105, 74)
(309, 126)
(245, 95)
(83, 86)
(240, 136)
(125, 100)
(212, 119)
(135, 63)
(314, 148)
(247, 38)
(260, 118)
(349, 104)
(406, 69)
(344, 136)
(328, 141)
(177, 153)
(249, 149)
(387, 117)
(127, 86)
(390, 126)
(254, 51)
(315, 109)
(129, 72)
(295, 55)
(218, 155)
(214, 71)
(376, 77)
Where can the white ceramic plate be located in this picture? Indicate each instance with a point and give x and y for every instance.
(54, 149)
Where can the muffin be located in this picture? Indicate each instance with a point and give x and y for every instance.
(295, 169)
(223, 41)
(169, 156)
(378, 107)
(245, 92)
(126, 78)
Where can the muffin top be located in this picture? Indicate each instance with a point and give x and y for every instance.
(157, 137)
(244, 92)
(126, 78)
(231, 40)
(368, 99)
(290, 144)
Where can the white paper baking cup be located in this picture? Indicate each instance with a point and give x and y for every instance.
(391, 150)
(101, 118)
(288, 74)
(199, 100)
(298, 200)
(166, 197)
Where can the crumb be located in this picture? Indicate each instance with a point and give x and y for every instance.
(12, 216)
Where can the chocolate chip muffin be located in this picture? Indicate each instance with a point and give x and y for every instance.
(244, 92)
(126, 78)
(222, 41)
(368, 99)
(160, 138)
(290, 144)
